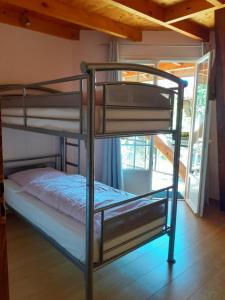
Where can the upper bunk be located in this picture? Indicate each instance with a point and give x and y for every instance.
(66, 106)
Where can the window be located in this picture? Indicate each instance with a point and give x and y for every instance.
(135, 152)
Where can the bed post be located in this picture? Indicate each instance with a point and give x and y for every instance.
(4, 283)
(63, 153)
(176, 162)
(90, 187)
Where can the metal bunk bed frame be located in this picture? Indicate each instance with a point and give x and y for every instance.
(89, 73)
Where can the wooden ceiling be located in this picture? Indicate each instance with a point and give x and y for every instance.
(122, 18)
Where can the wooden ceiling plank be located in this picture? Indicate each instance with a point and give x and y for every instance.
(28, 21)
(184, 10)
(216, 2)
(78, 16)
(142, 7)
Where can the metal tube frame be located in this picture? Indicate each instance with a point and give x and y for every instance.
(88, 274)
(63, 153)
(176, 163)
(75, 164)
(89, 136)
(91, 69)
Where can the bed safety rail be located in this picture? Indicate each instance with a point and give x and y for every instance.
(12, 166)
(151, 212)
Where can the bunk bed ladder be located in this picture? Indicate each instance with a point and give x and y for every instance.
(65, 162)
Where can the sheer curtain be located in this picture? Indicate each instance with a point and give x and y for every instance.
(112, 163)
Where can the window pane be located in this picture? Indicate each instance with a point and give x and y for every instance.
(127, 156)
(135, 152)
(141, 158)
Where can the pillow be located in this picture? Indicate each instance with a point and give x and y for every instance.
(24, 177)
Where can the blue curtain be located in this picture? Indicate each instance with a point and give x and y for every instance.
(112, 166)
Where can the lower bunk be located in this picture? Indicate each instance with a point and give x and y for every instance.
(120, 225)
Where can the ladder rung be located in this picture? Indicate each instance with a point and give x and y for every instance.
(72, 164)
(71, 144)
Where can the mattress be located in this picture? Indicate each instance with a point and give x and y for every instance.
(130, 107)
(68, 119)
(69, 233)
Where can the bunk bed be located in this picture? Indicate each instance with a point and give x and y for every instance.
(111, 223)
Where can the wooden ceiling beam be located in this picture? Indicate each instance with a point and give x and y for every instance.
(76, 15)
(32, 22)
(192, 29)
(185, 10)
(188, 9)
(153, 12)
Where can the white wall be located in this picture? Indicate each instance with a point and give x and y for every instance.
(27, 56)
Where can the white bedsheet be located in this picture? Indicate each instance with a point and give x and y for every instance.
(67, 232)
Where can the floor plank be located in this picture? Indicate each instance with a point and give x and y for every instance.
(38, 271)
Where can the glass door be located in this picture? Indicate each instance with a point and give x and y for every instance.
(164, 144)
(198, 147)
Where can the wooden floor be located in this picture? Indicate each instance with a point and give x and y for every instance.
(37, 271)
